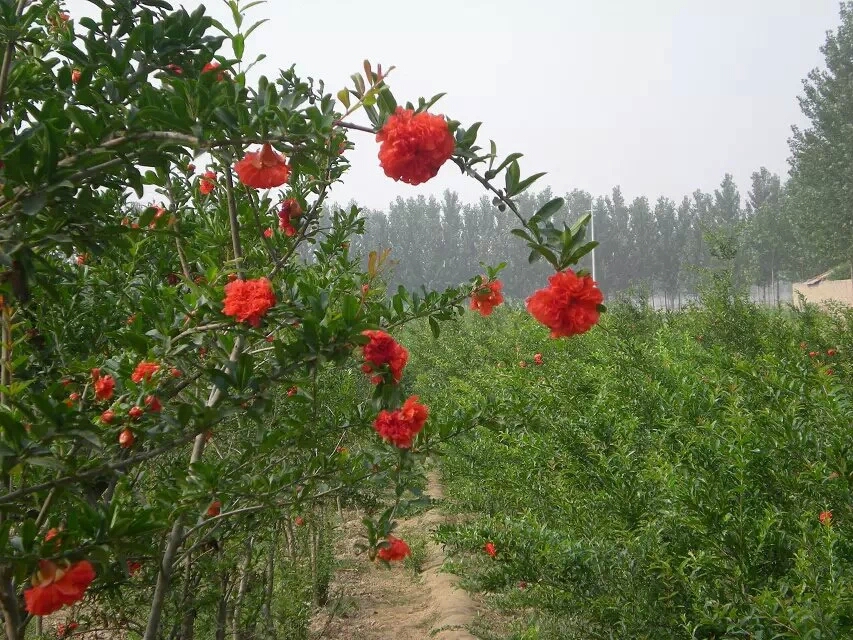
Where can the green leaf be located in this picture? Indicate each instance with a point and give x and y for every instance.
(548, 210)
(434, 327)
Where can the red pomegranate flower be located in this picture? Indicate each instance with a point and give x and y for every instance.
(831, 352)
(825, 518)
(396, 550)
(268, 232)
(133, 567)
(383, 350)
(490, 549)
(104, 387)
(537, 359)
(65, 630)
(262, 169)
(126, 437)
(144, 371)
(568, 305)
(214, 509)
(57, 585)
(289, 209)
(292, 391)
(76, 74)
(248, 300)
(207, 183)
(214, 66)
(153, 404)
(487, 297)
(399, 427)
(108, 416)
(414, 146)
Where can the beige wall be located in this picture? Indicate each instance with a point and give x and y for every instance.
(825, 291)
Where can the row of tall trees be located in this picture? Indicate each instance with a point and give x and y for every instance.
(661, 246)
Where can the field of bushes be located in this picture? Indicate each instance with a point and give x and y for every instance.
(680, 475)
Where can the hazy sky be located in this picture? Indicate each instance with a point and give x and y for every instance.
(659, 96)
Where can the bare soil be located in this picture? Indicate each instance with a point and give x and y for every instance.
(370, 602)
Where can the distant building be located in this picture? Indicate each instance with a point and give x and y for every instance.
(822, 291)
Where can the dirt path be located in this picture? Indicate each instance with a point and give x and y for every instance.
(369, 602)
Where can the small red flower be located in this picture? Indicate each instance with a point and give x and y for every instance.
(126, 437)
(299, 521)
(522, 585)
(248, 300)
(825, 518)
(414, 146)
(177, 70)
(395, 550)
(131, 319)
(175, 373)
(214, 509)
(262, 169)
(383, 350)
(812, 354)
(153, 404)
(74, 397)
(144, 371)
(289, 209)
(76, 74)
(487, 297)
(65, 630)
(268, 232)
(82, 259)
(831, 352)
(108, 416)
(399, 427)
(135, 413)
(207, 183)
(214, 66)
(568, 305)
(51, 534)
(292, 391)
(537, 359)
(104, 387)
(57, 585)
(133, 567)
(190, 168)
(490, 549)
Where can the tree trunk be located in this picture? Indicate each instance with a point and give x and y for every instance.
(269, 584)
(222, 611)
(188, 602)
(9, 606)
(236, 629)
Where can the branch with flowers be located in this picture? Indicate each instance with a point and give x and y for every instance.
(166, 367)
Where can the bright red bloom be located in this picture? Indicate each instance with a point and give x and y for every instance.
(825, 518)
(487, 297)
(214, 66)
(383, 350)
(135, 413)
(176, 373)
(177, 70)
(299, 521)
(144, 371)
(82, 259)
(289, 209)
(396, 550)
(108, 416)
(292, 391)
(65, 630)
(133, 567)
(812, 354)
(55, 586)
(104, 387)
(414, 146)
(214, 509)
(537, 359)
(568, 305)
(262, 169)
(76, 74)
(248, 300)
(268, 232)
(74, 397)
(831, 352)
(490, 549)
(126, 437)
(207, 183)
(153, 404)
(399, 427)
